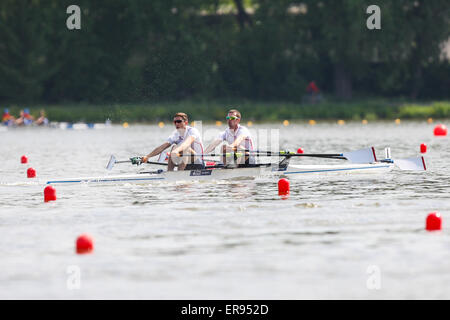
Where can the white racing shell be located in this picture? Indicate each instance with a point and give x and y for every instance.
(290, 171)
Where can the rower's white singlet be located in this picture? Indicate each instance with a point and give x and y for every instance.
(231, 135)
(197, 145)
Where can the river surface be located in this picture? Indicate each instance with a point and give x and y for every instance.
(334, 237)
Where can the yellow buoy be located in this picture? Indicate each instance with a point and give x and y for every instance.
(430, 120)
(161, 124)
(249, 123)
(285, 123)
(312, 122)
(218, 123)
(397, 121)
(125, 125)
(364, 121)
(341, 122)
(193, 124)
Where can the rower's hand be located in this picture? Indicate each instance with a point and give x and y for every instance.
(231, 149)
(136, 160)
(175, 153)
(144, 159)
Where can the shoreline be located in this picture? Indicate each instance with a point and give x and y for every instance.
(258, 112)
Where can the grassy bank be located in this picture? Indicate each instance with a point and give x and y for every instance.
(370, 109)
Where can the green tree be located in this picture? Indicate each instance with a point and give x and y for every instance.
(27, 59)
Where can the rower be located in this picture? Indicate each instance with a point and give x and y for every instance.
(28, 118)
(42, 120)
(7, 118)
(187, 142)
(25, 118)
(238, 138)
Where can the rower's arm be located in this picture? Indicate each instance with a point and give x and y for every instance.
(238, 141)
(213, 145)
(156, 151)
(186, 144)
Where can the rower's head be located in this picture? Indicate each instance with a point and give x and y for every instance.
(180, 120)
(233, 118)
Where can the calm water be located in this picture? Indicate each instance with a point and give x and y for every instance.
(350, 237)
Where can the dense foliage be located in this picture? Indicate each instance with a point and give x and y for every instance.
(166, 50)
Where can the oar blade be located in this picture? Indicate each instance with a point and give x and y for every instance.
(111, 162)
(415, 164)
(366, 155)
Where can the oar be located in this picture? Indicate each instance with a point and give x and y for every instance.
(112, 161)
(293, 154)
(366, 155)
(412, 164)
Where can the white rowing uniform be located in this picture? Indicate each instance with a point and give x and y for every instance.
(230, 136)
(177, 138)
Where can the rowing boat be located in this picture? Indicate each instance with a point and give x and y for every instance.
(232, 173)
(282, 169)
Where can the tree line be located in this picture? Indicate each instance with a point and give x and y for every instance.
(163, 50)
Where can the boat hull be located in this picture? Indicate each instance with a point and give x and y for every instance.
(293, 171)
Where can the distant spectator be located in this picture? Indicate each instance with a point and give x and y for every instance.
(313, 91)
(28, 117)
(42, 120)
(7, 119)
(25, 118)
(312, 88)
(19, 120)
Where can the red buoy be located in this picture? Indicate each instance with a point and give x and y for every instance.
(440, 130)
(300, 150)
(84, 244)
(434, 221)
(283, 187)
(423, 148)
(23, 159)
(31, 173)
(49, 194)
